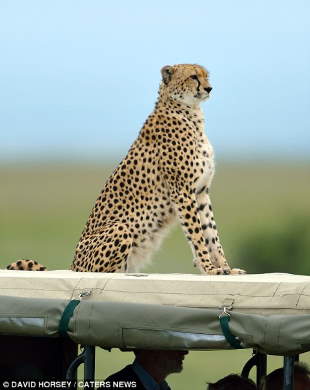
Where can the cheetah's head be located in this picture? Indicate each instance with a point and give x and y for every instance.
(185, 83)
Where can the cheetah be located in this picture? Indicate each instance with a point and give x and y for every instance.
(165, 176)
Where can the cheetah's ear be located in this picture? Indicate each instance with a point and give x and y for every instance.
(167, 72)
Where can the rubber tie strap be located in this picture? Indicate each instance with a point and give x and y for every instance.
(230, 338)
(66, 315)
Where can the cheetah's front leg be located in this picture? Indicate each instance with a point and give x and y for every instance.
(187, 211)
(211, 235)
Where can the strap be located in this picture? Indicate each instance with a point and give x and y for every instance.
(230, 338)
(65, 318)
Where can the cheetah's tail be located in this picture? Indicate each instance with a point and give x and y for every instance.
(26, 265)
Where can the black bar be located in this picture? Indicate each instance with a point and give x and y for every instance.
(248, 366)
(260, 361)
(288, 372)
(89, 363)
(261, 368)
(88, 358)
(72, 369)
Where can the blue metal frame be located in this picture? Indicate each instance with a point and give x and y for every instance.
(288, 372)
(260, 361)
(87, 357)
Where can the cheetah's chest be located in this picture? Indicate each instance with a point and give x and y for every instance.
(206, 163)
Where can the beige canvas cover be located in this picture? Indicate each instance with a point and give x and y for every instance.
(167, 311)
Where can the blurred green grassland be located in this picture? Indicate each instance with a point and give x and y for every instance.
(44, 208)
(261, 210)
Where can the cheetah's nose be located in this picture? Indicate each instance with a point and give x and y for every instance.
(209, 89)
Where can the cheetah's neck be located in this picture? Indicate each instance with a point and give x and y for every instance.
(170, 107)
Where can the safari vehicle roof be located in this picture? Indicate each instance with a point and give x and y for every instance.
(270, 312)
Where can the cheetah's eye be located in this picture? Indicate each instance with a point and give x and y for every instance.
(194, 77)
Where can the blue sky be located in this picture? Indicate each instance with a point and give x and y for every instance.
(78, 78)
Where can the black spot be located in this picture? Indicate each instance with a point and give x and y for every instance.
(201, 190)
(123, 248)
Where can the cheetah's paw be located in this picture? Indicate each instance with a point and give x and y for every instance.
(219, 271)
(237, 271)
(226, 271)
